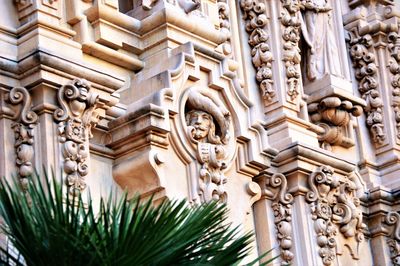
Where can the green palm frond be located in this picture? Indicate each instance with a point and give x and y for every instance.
(49, 227)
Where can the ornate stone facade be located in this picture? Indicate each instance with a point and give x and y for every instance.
(288, 111)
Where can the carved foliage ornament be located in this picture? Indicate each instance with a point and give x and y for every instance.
(394, 67)
(208, 130)
(365, 69)
(393, 218)
(282, 208)
(23, 130)
(334, 202)
(255, 21)
(291, 52)
(224, 24)
(75, 119)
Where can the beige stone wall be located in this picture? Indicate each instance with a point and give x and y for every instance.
(287, 110)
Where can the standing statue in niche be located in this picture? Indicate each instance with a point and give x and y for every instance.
(317, 29)
(208, 122)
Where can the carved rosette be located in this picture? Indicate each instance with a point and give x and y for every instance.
(394, 67)
(334, 204)
(75, 118)
(333, 115)
(291, 52)
(393, 218)
(282, 208)
(364, 63)
(256, 21)
(23, 130)
(208, 124)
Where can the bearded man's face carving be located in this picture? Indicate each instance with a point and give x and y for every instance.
(201, 122)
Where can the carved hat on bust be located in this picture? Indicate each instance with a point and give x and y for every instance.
(203, 101)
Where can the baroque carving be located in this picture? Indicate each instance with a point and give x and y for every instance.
(333, 115)
(282, 208)
(393, 242)
(223, 14)
(394, 67)
(189, 5)
(23, 130)
(255, 22)
(208, 123)
(334, 203)
(75, 118)
(291, 52)
(365, 71)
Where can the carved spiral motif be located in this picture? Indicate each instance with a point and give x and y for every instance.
(18, 95)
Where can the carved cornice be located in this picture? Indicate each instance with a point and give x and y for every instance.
(255, 23)
(334, 203)
(75, 118)
(23, 127)
(364, 63)
(291, 52)
(282, 207)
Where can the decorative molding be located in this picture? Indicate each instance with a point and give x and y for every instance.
(364, 63)
(334, 114)
(208, 124)
(334, 202)
(282, 208)
(75, 118)
(25, 122)
(255, 22)
(394, 67)
(393, 218)
(291, 52)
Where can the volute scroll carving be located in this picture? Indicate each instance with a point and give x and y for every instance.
(75, 118)
(364, 63)
(334, 205)
(394, 68)
(208, 124)
(282, 208)
(255, 23)
(23, 127)
(393, 218)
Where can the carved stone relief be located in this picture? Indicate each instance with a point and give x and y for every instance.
(208, 123)
(75, 118)
(224, 24)
(282, 208)
(189, 5)
(333, 115)
(393, 218)
(365, 71)
(394, 67)
(334, 204)
(291, 52)
(255, 23)
(23, 127)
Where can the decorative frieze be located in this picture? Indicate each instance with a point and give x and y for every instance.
(364, 63)
(208, 123)
(334, 204)
(23, 127)
(75, 118)
(255, 23)
(393, 218)
(394, 67)
(291, 52)
(282, 208)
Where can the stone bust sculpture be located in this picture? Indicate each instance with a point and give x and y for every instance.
(203, 126)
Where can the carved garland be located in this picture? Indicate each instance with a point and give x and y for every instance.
(291, 51)
(75, 119)
(23, 130)
(282, 208)
(256, 20)
(394, 67)
(393, 218)
(365, 71)
(333, 201)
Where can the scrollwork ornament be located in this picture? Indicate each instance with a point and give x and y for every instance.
(364, 63)
(255, 23)
(23, 128)
(394, 68)
(393, 218)
(282, 209)
(76, 116)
